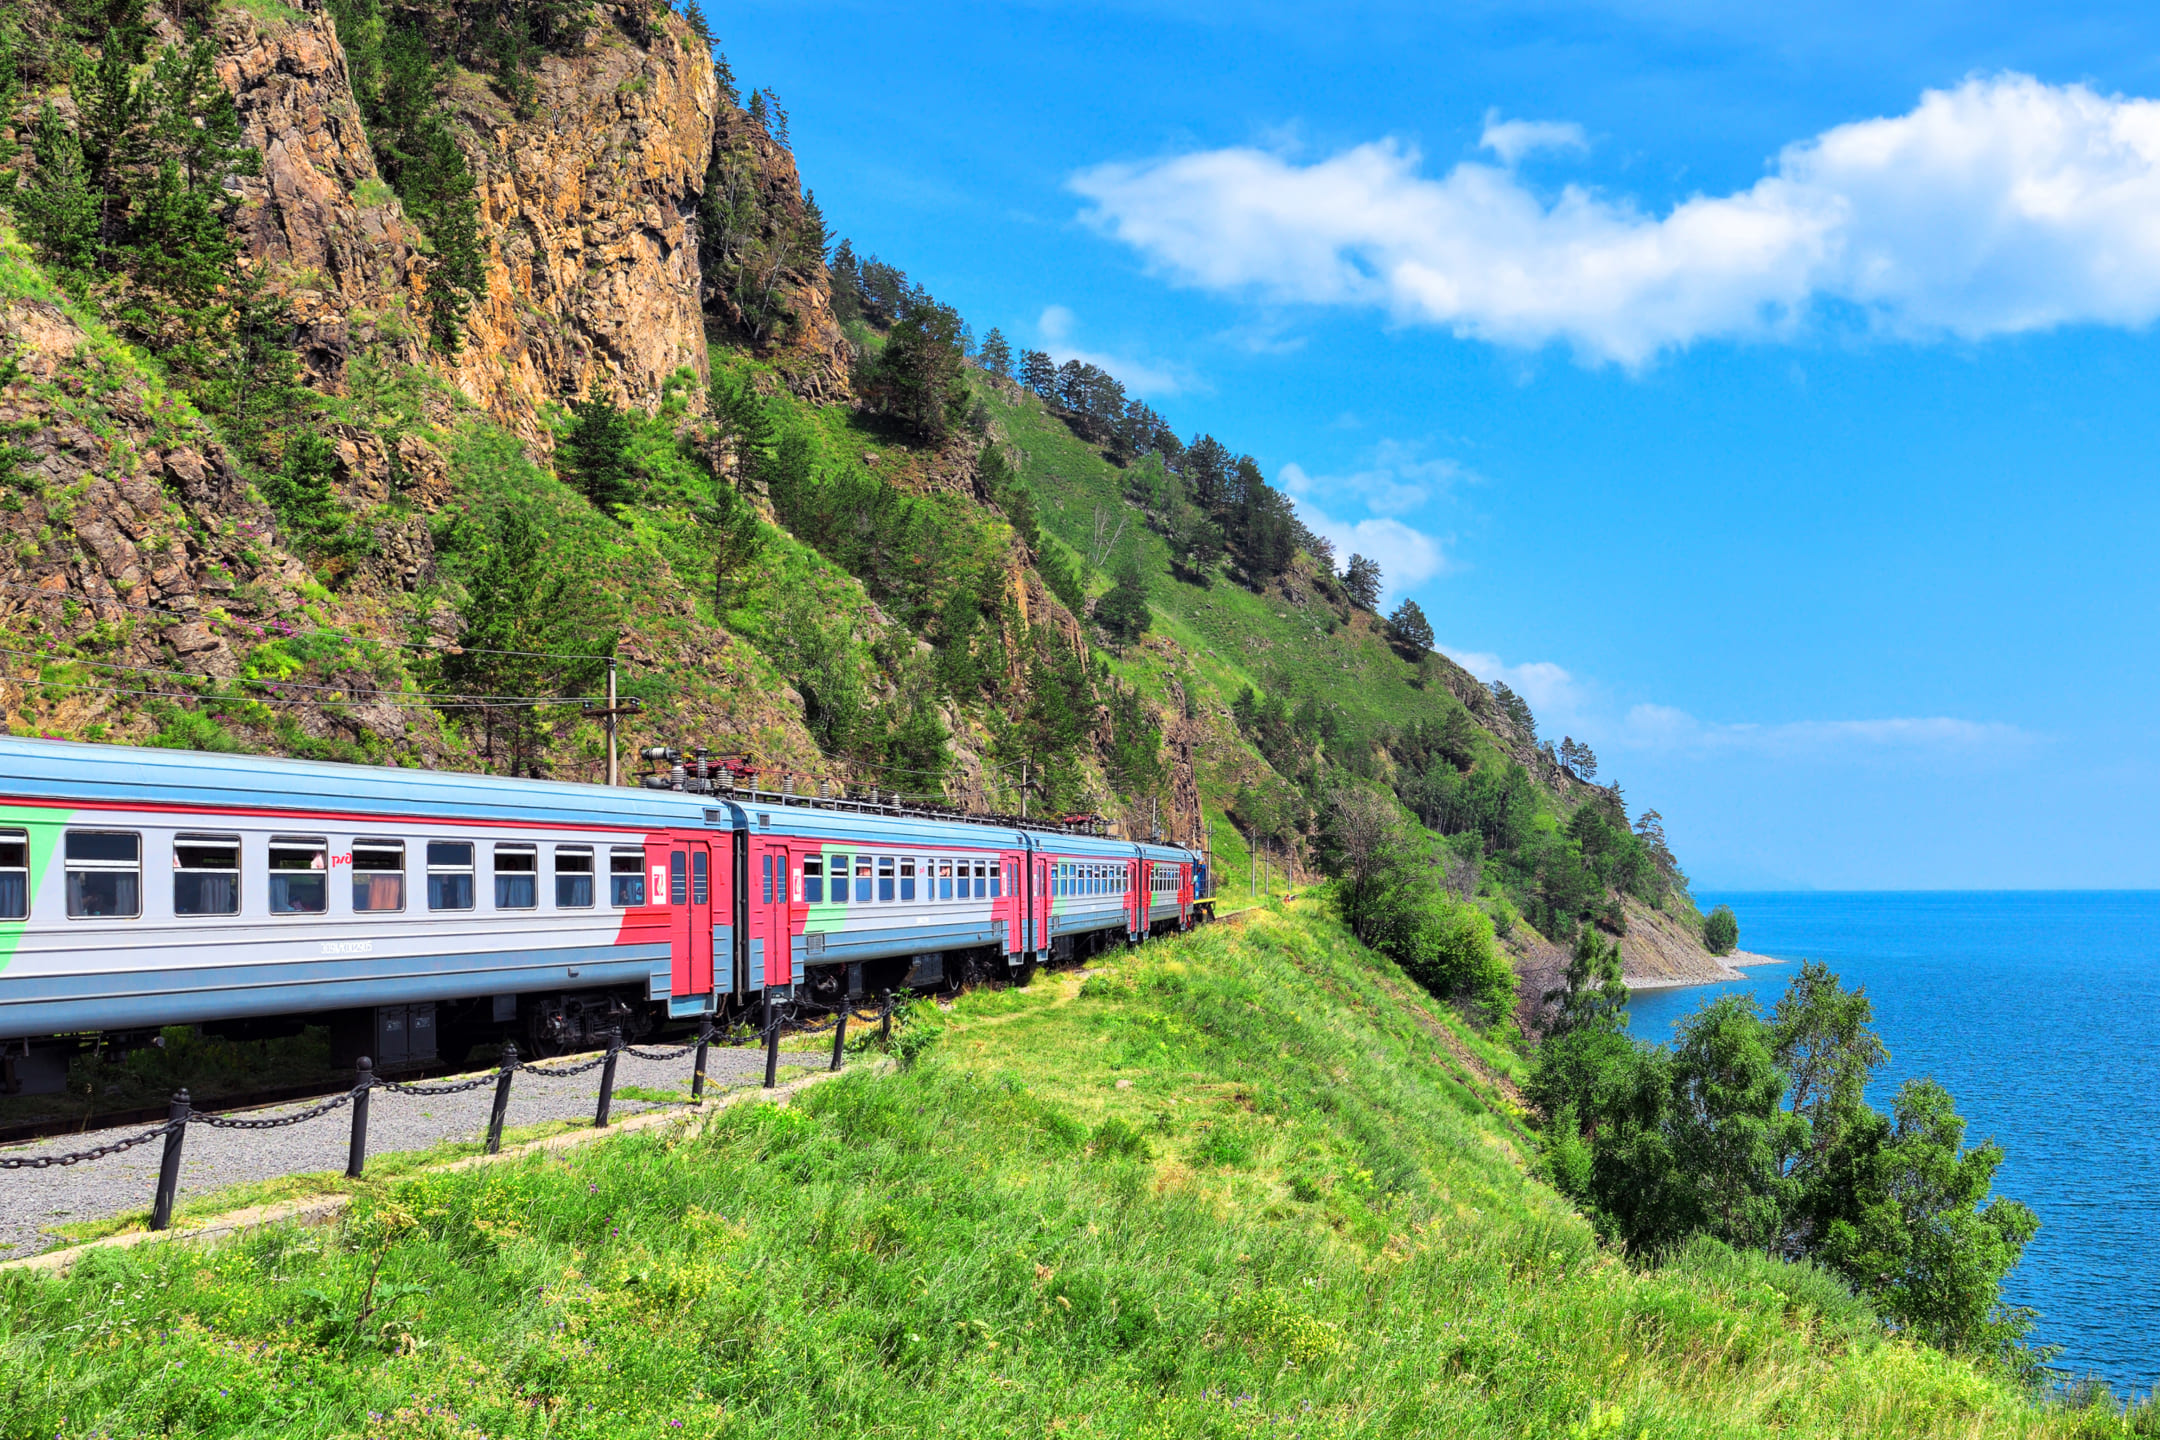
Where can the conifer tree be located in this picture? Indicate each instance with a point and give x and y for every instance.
(1410, 628)
(1038, 372)
(1123, 612)
(594, 454)
(1362, 582)
(997, 354)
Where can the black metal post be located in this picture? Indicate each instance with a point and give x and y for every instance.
(885, 1018)
(356, 1155)
(168, 1180)
(772, 1042)
(502, 1097)
(697, 1067)
(607, 1079)
(839, 1034)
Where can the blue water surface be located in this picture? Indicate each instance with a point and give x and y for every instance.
(2037, 1011)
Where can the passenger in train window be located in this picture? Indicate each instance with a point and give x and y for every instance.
(862, 879)
(206, 875)
(14, 874)
(573, 877)
(517, 877)
(907, 878)
(378, 878)
(944, 871)
(104, 875)
(299, 875)
(626, 877)
(839, 865)
(813, 880)
(885, 878)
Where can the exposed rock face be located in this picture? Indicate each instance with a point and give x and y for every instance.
(589, 211)
(797, 332)
(321, 216)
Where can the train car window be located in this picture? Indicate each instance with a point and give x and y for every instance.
(449, 875)
(982, 881)
(626, 877)
(862, 879)
(678, 878)
(573, 878)
(907, 879)
(813, 880)
(997, 878)
(206, 875)
(14, 874)
(517, 877)
(765, 893)
(944, 890)
(838, 866)
(299, 875)
(104, 875)
(699, 888)
(885, 878)
(378, 875)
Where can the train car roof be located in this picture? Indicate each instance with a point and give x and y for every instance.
(127, 774)
(839, 825)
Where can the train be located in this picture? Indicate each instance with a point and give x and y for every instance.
(420, 912)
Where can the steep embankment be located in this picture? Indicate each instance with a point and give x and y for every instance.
(1229, 1185)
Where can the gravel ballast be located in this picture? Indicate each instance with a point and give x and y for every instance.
(212, 1159)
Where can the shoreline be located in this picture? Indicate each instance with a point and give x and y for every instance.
(1735, 964)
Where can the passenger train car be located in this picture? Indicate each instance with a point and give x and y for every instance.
(420, 911)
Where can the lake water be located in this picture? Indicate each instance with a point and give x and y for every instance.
(2037, 1011)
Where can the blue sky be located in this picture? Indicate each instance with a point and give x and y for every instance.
(1771, 398)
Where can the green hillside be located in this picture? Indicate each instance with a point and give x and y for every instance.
(1244, 1183)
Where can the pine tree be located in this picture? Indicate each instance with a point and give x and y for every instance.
(997, 354)
(1411, 630)
(1038, 372)
(1362, 582)
(1123, 612)
(594, 455)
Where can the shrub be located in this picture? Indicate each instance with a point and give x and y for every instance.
(1721, 931)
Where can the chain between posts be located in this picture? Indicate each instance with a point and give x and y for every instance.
(781, 1016)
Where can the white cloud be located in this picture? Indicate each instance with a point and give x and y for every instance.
(1407, 557)
(1565, 704)
(1513, 139)
(1399, 480)
(1139, 377)
(1998, 206)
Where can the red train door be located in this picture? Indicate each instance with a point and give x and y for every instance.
(1184, 896)
(783, 916)
(1135, 897)
(1011, 906)
(1039, 902)
(691, 880)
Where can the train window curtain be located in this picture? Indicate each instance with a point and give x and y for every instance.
(14, 875)
(450, 875)
(573, 877)
(378, 880)
(206, 875)
(299, 875)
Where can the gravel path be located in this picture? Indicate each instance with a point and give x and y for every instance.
(213, 1159)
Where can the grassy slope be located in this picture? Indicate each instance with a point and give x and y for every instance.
(1231, 1185)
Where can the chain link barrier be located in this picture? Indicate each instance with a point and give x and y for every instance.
(784, 1015)
(226, 1122)
(449, 1087)
(82, 1157)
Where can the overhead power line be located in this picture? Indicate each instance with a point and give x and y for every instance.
(295, 632)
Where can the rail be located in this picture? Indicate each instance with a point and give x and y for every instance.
(803, 1017)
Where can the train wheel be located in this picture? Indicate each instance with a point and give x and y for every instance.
(1025, 975)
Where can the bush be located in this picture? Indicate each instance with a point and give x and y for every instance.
(1721, 931)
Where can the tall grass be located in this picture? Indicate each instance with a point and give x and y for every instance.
(1225, 1186)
